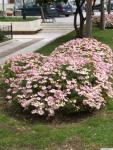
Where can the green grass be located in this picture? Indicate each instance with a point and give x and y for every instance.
(14, 19)
(105, 36)
(85, 133)
(93, 132)
(46, 50)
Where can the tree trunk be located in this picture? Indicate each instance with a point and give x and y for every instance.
(42, 13)
(109, 6)
(93, 4)
(102, 18)
(3, 7)
(23, 10)
(79, 29)
(89, 18)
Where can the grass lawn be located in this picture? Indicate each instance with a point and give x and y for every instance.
(14, 19)
(84, 133)
(105, 36)
(46, 50)
(87, 133)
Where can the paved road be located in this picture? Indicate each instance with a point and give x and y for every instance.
(30, 43)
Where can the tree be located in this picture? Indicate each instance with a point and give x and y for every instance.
(79, 30)
(109, 6)
(23, 10)
(89, 18)
(94, 1)
(43, 3)
(3, 7)
(102, 18)
(79, 12)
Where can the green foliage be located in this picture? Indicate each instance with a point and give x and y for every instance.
(2, 36)
(21, 134)
(16, 19)
(8, 73)
(106, 36)
(97, 33)
(46, 50)
(42, 2)
(94, 131)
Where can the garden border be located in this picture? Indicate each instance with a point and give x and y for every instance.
(27, 27)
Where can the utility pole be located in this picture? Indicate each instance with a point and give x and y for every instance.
(89, 18)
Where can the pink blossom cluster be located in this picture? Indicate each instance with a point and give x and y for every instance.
(77, 74)
(108, 20)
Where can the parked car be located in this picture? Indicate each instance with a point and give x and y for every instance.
(73, 4)
(111, 5)
(64, 9)
(32, 9)
(98, 7)
(50, 10)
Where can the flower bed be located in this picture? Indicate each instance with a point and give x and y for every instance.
(77, 76)
(108, 20)
(2, 37)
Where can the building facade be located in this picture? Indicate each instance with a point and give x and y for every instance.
(7, 4)
(7, 1)
(10, 1)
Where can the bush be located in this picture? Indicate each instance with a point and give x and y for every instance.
(108, 20)
(2, 36)
(77, 76)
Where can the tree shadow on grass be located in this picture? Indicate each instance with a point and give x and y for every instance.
(62, 116)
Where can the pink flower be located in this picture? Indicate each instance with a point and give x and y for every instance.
(76, 72)
(8, 97)
(41, 94)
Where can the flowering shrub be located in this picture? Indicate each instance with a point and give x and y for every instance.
(77, 75)
(108, 20)
(2, 36)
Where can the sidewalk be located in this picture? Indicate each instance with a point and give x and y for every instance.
(31, 43)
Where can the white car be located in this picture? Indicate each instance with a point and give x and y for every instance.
(73, 4)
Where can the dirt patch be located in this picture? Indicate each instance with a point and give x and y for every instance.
(73, 143)
(30, 147)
